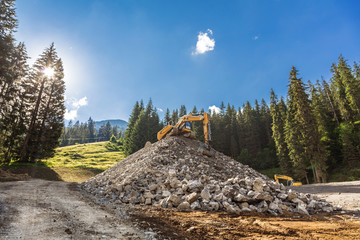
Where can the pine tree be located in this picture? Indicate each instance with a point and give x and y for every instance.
(145, 129)
(197, 127)
(302, 136)
(278, 113)
(115, 131)
(92, 130)
(175, 117)
(167, 119)
(46, 124)
(108, 131)
(138, 108)
(182, 111)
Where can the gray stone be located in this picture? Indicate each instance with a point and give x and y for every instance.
(264, 196)
(194, 185)
(291, 195)
(273, 206)
(205, 194)
(240, 198)
(262, 207)
(195, 205)
(175, 200)
(231, 208)
(148, 201)
(214, 205)
(327, 209)
(311, 204)
(166, 193)
(301, 208)
(244, 205)
(246, 209)
(192, 197)
(172, 173)
(219, 197)
(184, 206)
(148, 195)
(282, 196)
(258, 185)
(297, 201)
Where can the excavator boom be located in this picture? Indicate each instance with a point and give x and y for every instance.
(290, 180)
(180, 129)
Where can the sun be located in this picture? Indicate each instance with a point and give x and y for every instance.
(49, 72)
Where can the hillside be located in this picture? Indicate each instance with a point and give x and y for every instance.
(121, 124)
(74, 163)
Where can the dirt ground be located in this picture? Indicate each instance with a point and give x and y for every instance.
(345, 194)
(39, 209)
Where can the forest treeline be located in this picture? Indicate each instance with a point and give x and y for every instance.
(78, 133)
(312, 131)
(31, 98)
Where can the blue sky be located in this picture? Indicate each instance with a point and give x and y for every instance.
(118, 52)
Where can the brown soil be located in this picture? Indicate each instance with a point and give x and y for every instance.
(220, 225)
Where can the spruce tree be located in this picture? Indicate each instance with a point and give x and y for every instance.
(302, 136)
(92, 130)
(167, 118)
(278, 113)
(182, 111)
(108, 131)
(46, 124)
(138, 108)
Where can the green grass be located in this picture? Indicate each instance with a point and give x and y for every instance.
(89, 155)
(74, 163)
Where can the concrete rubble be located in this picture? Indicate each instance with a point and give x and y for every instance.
(172, 173)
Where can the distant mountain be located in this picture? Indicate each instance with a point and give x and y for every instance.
(121, 124)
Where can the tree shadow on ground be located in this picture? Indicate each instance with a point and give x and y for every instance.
(41, 172)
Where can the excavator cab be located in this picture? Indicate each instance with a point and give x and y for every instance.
(183, 127)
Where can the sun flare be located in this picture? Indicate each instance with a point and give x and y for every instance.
(49, 72)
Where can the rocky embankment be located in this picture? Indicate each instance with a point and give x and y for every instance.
(172, 173)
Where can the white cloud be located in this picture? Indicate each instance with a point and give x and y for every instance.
(160, 109)
(204, 43)
(215, 109)
(80, 103)
(70, 115)
(256, 37)
(73, 107)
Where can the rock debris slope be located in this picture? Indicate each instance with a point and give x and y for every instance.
(172, 173)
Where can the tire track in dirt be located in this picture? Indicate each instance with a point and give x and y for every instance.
(39, 209)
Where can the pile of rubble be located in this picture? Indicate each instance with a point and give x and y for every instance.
(172, 173)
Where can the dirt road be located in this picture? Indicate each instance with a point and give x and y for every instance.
(39, 209)
(345, 194)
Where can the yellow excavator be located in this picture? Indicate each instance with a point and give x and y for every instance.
(183, 127)
(289, 180)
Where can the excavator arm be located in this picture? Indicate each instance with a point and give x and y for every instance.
(180, 129)
(289, 180)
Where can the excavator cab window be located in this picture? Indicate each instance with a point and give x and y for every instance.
(188, 125)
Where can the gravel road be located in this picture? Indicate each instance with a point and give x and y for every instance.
(345, 194)
(39, 209)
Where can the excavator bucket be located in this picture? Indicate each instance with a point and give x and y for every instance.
(206, 150)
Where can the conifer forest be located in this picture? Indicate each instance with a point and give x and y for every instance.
(308, 134)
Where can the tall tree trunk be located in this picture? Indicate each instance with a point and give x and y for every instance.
(331, 103)
(45, 115)
(24, 154)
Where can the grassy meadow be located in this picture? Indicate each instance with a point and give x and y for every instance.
(74, 163)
